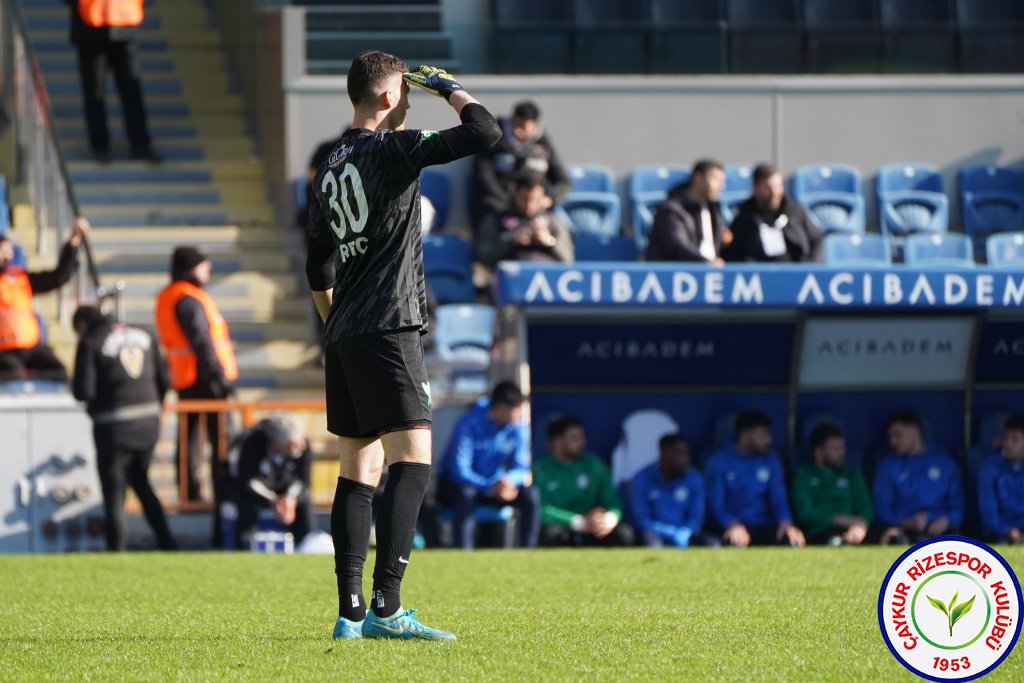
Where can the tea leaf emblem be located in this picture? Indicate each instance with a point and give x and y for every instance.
(953, 611)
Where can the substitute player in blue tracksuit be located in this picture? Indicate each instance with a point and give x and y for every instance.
(917, 489)
(746, 491)
(488, 463)
(1001, 487)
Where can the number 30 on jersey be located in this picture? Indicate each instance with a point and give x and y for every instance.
(336, 192)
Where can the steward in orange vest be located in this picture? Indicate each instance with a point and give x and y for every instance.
(21, 353)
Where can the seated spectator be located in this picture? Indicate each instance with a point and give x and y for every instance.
(579, 503)
(746, 491)
(772, 227)
(527, 230)
(316, 160)
(688, 225)
(831, 502)
(274, 475)
(917, 488)
(524, 147)
(1001, 487)
(488, 463)
(666, 498)
(22, 354)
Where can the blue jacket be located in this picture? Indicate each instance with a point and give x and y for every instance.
(906, 484)
(746, 488)
(1001, 495)
(664, 507)
(481, 452)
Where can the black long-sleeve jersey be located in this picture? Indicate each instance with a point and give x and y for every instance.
(364, 223)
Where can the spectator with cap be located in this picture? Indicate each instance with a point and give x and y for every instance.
(197, 345)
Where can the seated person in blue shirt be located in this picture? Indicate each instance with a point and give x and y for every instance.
(666, 498)
(1001, 487)
(746, 492)
(488, 463)
(917, 488)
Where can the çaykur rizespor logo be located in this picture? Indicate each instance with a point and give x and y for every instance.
(949, 609)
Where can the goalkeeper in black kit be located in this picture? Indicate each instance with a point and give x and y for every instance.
(365, 267)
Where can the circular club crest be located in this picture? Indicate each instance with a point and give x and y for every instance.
(949, 609)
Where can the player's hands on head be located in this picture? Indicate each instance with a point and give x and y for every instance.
(435, 81)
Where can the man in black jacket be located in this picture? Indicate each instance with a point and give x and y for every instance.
(121, 376)
(688, 225)
(772, 227)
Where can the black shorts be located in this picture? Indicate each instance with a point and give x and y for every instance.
(376, 383)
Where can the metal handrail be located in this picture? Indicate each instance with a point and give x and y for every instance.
(39, 149)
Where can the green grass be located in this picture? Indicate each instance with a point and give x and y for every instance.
(758, 614)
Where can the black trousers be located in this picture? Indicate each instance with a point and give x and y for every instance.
(553, 535)
(194, 442)
(249, 508)
(39, 361)
(93, 60)
(464, 500)
(119, 467)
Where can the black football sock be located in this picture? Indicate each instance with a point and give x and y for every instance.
(351, 517)
(396, 526)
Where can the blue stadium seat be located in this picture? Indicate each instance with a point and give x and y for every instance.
(436, 186)
(646, 187)
(299, 188)
(463, 336)
(939, 249)
(739, 184)
(688, 37)
(991, 35)
(991, 200)
(856, 249)
(1005, 250)
(831, 194)
(19, 256)
(448, 266)
(611, 36)
(591, 178)
(533, 36)
(919, 36)
(3, 189)
(766, 36)
(843, 36)
(911, 199)
(592, 213)
(595, 248)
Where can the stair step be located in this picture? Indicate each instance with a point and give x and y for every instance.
(265, 261)
(167, 131)
(189, 152)
(118, 196)
(67, 64)
(169, 171)
(72, 109)
(42, 22)
(235, 284)
(66, 87)
(57, 42)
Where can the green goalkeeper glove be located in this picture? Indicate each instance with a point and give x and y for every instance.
(435, 81)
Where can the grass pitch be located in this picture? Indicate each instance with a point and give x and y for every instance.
(756, 614)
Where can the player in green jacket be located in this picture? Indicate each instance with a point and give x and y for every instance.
(831, 502)
(579, 503)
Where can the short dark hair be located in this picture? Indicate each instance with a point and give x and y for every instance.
(85, 315)
(750, 419)
(670, 439)
(704, 165)
(367, 72)
(1014, 423)
(526, 110)
(763, 172)
(822, 433)
(506, 394)
(904, 417)
(527, 180)
(560, 425)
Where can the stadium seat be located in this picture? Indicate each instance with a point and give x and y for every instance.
(646, 188)
(594, 248)
(533, 36)
(1005, 250)
(939, 249)
(739, 184)
(688, 37)
(611, 36)
(991, 200)
(299, 188)
(3, 189)
(19, 258)
(911, 199)
(463, 336)
(592, 213)
(638, 443)
(918, 36)
(448, 266)
(591, 178)
(843, 37)
(436, 186)
(765, 36)
(991, 35)
(831, 194)
(854, 250)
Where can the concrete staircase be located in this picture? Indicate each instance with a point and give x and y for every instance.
(209, 192)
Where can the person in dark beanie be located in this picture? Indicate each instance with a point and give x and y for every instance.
(121, 377)
(198, 348)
